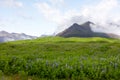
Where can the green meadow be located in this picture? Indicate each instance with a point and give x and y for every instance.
(56, 58)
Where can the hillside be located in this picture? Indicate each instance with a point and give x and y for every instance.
(52, 58)
(84, 30)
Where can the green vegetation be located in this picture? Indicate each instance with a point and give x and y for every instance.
(54, 58)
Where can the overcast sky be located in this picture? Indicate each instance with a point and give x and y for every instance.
(37, 17)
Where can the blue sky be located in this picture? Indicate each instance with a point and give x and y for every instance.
(37, 17)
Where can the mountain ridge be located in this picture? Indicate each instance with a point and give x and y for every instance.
(6, 36)
(84, 30)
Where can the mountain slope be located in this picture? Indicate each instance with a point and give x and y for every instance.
(5, 36)
(84, 30)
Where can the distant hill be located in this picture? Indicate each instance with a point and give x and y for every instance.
(84, 30)
(5, 36)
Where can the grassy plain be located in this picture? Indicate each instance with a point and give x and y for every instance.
(56, 58)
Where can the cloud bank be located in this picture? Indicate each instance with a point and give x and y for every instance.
(104, 13)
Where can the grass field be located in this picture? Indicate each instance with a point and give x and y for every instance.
(56, 58)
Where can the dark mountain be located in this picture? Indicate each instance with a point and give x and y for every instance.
(84, 30)
(5, 36)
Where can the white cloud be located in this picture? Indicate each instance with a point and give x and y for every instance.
(49, 12)
(10, 3)
(100, 13)
(103, 14)
(54, 14)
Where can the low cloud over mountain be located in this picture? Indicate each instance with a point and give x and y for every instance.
(5, 36)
